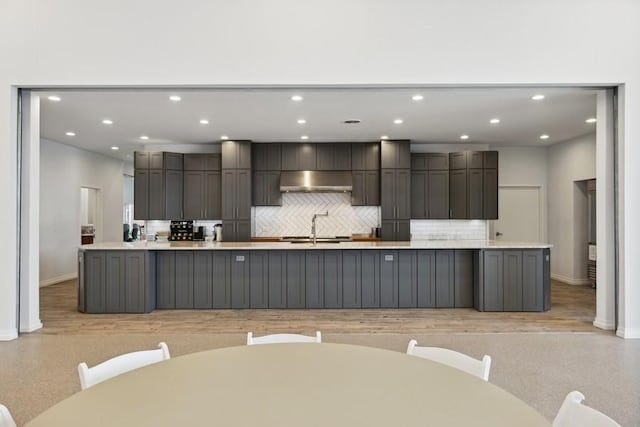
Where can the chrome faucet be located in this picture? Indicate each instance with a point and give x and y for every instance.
(313, 225)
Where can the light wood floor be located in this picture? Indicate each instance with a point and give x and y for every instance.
(573, 310)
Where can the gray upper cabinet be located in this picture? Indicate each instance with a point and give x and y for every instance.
(419, 195)
(141, 159)
(236, 155)
(333, 156)
(365, 156)
(266, 188)
(419, 161)
(141, 194)
(173, 194)
(438, 194)
(366, 188)
(202, 195)
(266, 157)
(395, 155)
(490, 193)
(458, 194)
(475, 159)
(475, 194)
(156, 194)
(173, 161)
(490, 159)
(458, 160)
(202, 162)
(395, 188)
(438, 161)
(296, 157)
(236, 194)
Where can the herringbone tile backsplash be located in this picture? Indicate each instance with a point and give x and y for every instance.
(293, 218)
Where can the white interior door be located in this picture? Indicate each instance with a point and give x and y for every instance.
(520, 213)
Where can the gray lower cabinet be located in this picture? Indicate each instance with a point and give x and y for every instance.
(351, 279)
(202, 279)
(370, 278)
(119, 282)
(174, 277)
(259, 278)
(463, 278)
(295, 279)
(389, 279)
(332, 275)
(445, 291)
(277, 279)
(314, 279)
(221, 282)
(240, 279)
(426, 278)
(512, 280)
(407, 279)
(166, 279)
(184, 280)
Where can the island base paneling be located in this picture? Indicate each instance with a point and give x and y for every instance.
(140, 281)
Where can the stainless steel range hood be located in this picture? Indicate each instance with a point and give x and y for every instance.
(315, 182)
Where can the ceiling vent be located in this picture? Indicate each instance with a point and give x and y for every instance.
(352, 121)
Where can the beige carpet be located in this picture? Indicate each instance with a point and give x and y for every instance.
(38, 370)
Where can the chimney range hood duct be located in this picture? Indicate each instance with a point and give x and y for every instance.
(315, 182)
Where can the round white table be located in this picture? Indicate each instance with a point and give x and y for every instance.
(293, 385)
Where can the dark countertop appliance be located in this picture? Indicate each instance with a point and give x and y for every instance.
(181, 231)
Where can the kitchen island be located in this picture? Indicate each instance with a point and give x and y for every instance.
(140, 277)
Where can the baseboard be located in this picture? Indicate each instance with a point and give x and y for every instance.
(604, 324)
(628, 333)
(569, 280)
(31, 327)
(8, 334)
(58, 279)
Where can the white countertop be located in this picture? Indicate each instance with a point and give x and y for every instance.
(414, 244)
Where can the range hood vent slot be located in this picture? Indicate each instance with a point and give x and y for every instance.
(316, 182)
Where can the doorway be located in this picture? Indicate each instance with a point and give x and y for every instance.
(90, 224)
(520, 213)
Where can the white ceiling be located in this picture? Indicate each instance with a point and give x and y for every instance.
(270, 115)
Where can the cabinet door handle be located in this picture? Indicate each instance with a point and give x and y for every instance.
(450, 213)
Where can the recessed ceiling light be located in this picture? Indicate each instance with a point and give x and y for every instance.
(225, 137)
(398, 121)
(144, 137)
(304, 137)
(107, 121)
(538, 97)
(296, 98)
(417, 97)
(384, 137)
(591, 120)
(464, 136)
(544, 136)
(114, 148)
(204, 122)
(70, 134)
(301, 121)
(54, 98)
(175, 98)
(494, 121)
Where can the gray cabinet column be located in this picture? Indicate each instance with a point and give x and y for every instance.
(184, 279)
(314, 278)
(296, 279)
(445, 297)
(351, 279)
(277, 279)
(389, 279)
(370, 278)
(407, 279)
(202, 279)
(240, 280)
(426, 278)
(463, 279)
(221, 286)
(259, 278)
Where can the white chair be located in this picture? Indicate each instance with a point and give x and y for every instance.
(6, 420)
(574, 413)
(282, 338)
(479, 368)
(120, 364)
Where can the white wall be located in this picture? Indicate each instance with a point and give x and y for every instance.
(63, 170)
(569, 161)
(289, 42)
